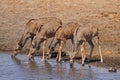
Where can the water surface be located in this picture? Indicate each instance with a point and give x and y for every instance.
(20, 68)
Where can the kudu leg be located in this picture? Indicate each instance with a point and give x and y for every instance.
(43, 50)
(30, 54)
(83, 53)
(60, 51)
(33, 48)
(72, 55)
(100, 51)
(91, 49)
(21, 44)
(51, 48)
(57, 57)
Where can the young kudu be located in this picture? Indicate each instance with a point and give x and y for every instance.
(86, 34)
(47, 31)
(63, 34)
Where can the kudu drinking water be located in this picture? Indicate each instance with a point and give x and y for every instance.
(33, 27)
(63, 34)
(86, 34)
(47, 31)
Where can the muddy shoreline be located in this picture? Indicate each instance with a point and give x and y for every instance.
(109, 61)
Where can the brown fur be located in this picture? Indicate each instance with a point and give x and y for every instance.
(47, 31)
(33, 27)
(63, 34)
(86, 34)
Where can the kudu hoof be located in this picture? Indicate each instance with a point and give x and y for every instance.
(44, 60)
(111, 69)
(30, 58)
(13, 55)
(59, 61)
(83, 64)
(71, 64)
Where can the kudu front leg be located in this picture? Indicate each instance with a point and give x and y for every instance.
(60, 51)
(32, 49)
(16, 51)
(43, 51)
(83, 53)
(31, 52)
(21, 44)
(91, 49)
(74, 51)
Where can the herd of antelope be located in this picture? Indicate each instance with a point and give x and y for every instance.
(42, 29)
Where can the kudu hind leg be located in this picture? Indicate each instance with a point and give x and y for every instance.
(91, 49)
(100, 51)
(83, 52)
